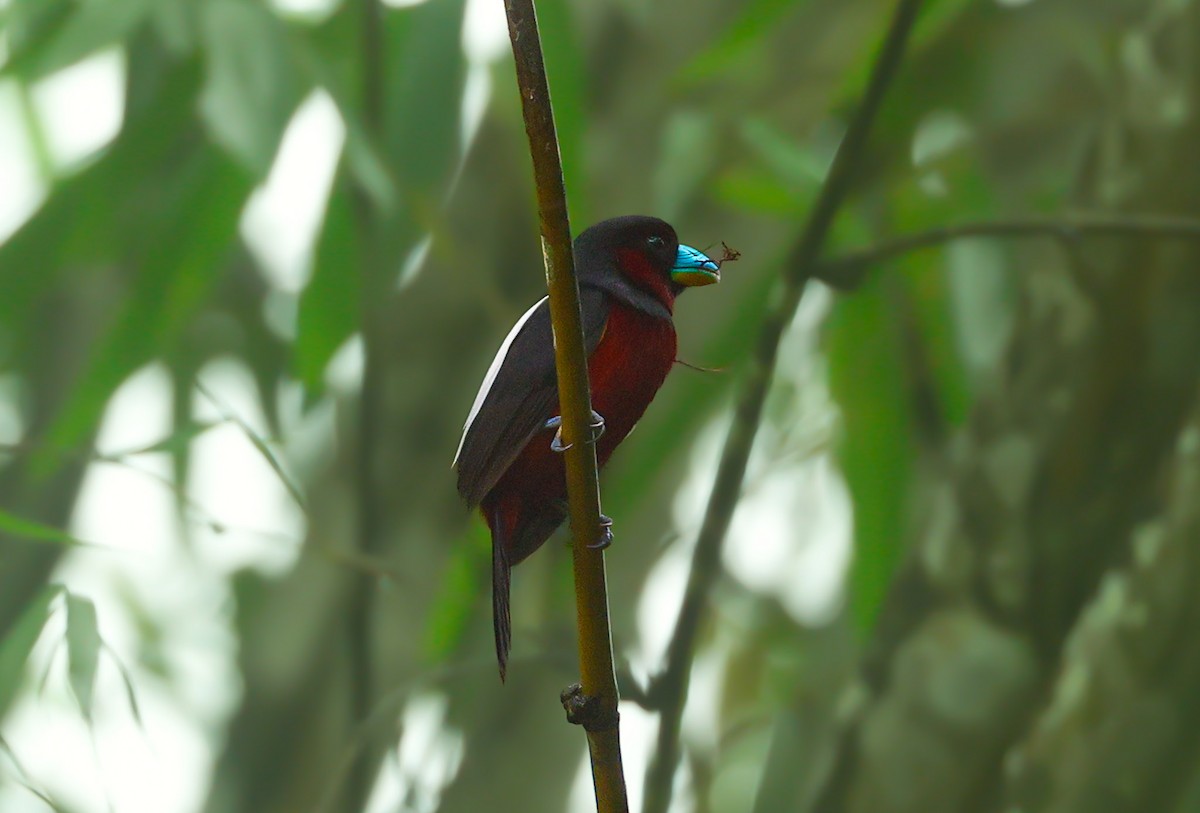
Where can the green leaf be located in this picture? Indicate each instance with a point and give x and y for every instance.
(15, 649)
(130, 693)
(934, 312)
(29, 24)
(174, 442)
(797, 165)
(685, 161)
(938, 134)
(462, 584)
(184, 256)
(333, 55)
(91, 219)
(757, 19)
(58, 38)
(565, 74)
(252, 87)
(329, 305)
(83, 650)
(368, 168)
(22, 528)
(758, 192)
(424, 73)
(173, 25)
(936, 17)
(424, 77)
(867, 379)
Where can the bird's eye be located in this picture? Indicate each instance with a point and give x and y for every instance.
(654, 241)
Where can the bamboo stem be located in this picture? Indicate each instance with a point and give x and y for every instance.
(672, 685)
(369, 519)
(598, 678)
(846, 271)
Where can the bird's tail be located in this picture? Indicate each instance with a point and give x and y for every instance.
(501, 569)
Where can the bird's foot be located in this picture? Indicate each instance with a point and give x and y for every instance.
(597, 426)
(606, 534)
(556, 444)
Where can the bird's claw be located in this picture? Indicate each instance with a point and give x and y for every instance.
(606, 534)
(597, 426)
(556, 443)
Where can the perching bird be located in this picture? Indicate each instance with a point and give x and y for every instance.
(630, 270)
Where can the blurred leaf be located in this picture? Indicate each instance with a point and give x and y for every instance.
(935, 19)
(758, 191)
(931, 299)
(174, 442)
(58, 37)
(423, 91)
(798, 165)
(23, 778)
(21, 528)
(368, 168)
(982, 284)
(329, 305)
(260, 444)
(565, 72)
(253, 85)
(334, 48)
(173, 22)
(458, 598)
(685, 161)
(87, 218)
(938, 134)
(333, 54)
(15, 649)
(83, 650)
(176, 271)
(424, 72)
(757, 19)
(130, 693)
(867, 379)
(29, 24)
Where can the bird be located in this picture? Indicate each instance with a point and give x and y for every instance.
(509, 464)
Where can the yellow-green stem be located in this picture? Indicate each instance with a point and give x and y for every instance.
(598, 678)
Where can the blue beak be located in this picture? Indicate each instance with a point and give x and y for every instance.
(693, 268)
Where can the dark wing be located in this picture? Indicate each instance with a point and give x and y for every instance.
(518, 394)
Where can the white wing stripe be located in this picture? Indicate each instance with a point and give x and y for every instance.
(492, 372)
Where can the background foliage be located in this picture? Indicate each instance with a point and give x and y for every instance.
(962, 574)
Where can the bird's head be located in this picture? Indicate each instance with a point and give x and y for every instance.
(642, 252)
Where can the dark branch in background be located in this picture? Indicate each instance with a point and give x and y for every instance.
(846, 272)
(362, 598)
(672, 684)
(597, 695)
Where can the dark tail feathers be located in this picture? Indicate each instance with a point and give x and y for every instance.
(501, 619)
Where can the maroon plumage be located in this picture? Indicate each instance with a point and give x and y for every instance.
(505, 461)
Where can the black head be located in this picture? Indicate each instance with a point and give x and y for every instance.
(639, 260)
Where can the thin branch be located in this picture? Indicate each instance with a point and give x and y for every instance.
(260, 444)
(801, 266)
(359, 612)
(846, 271)
(598, 679)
